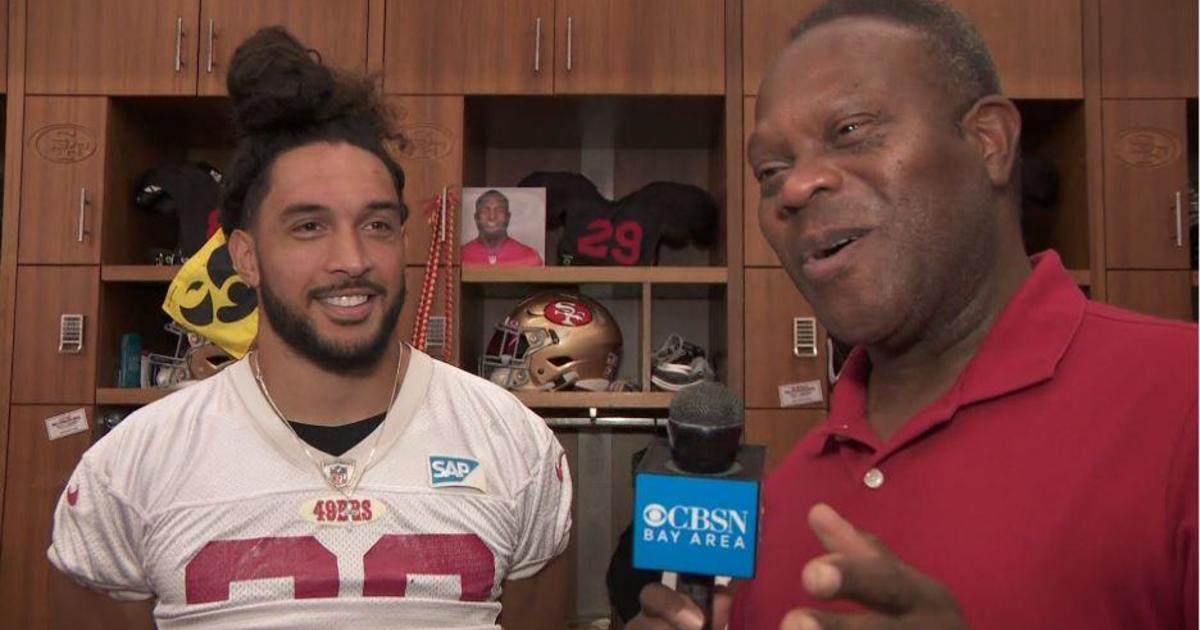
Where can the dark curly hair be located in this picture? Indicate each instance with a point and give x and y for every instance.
(969, 72)
(283, 99)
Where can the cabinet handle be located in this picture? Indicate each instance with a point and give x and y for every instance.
(178, 44)
(1178, 219)
(537, 47)
(570, 33)
(82, 208)
(212, 27)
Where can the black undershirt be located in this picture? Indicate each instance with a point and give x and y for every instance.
(339, 439)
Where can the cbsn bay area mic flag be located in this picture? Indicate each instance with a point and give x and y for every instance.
(697, 523)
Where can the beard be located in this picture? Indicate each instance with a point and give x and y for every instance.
(297, 331)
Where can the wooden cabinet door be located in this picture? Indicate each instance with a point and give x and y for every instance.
(1037, 45)
(336, 30)
(772, 301)
(1145, 184)
(766, 26)
(111, 46)
(640, 47)
(1160, 293)
(432, 160)
(41, 373)
(62, 182)
(4, 47)
(469, 47)
(1148, 48)
(33, 593)
(758, 252)
(779, 430)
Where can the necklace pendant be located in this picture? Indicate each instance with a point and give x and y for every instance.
(338, 474)
(491, 259)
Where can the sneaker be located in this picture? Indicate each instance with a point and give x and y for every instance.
(679, 364)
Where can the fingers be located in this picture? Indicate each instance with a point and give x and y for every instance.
(820, 620)
(860, 568)
(880, 583)
(665, 609)
(837, 534)
(722, 607)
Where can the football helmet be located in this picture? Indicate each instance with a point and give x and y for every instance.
(554, 340)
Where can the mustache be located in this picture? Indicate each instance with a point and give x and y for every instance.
(343, 285)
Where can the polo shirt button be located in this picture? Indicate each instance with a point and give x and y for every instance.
(873, 478)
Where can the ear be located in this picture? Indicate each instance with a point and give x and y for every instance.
(245, 256)
(993, 126)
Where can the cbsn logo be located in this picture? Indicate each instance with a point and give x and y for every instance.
(717, 528)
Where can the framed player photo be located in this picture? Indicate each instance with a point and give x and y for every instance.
(503, 227)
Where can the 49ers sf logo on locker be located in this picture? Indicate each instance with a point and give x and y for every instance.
(568, 313)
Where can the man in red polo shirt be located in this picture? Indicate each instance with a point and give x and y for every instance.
(494, 247)
(1024, 458)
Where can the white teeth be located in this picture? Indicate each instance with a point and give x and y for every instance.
(345, 301)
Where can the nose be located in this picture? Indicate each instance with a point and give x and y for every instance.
(807, 181)
(348, 253)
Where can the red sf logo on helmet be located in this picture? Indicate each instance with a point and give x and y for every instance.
(568, 313)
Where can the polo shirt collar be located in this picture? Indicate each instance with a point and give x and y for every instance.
(1023, 348)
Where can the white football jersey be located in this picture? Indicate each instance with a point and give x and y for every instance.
(206, 501)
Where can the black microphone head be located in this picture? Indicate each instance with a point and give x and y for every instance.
(705, 428)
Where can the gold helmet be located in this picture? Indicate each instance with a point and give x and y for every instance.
(554, 340)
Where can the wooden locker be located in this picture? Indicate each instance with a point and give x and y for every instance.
(432, 159)
(33, 593)
(469, 47)
(111, 46)
(1037, 46)
(772, 304)
(62, 187)
(41, 372)
(1145, 184)
(640, 47)
(1148, 48)
(336, 30)
(1159, 293)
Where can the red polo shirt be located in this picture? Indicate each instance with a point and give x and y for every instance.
(1053, 486)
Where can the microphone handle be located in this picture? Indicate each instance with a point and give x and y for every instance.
(700, 589)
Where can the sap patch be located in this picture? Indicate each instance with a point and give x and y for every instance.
(448, 471)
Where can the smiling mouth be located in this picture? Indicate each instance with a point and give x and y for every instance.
(346, 301)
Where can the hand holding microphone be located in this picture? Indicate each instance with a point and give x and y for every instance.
(696, 506)
(857, 568)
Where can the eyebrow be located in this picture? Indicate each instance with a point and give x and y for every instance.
(383, 204)
(298, 209)
(301, 209)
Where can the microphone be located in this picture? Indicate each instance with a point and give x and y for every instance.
(696, 496)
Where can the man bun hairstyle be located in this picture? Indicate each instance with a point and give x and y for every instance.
(969, 72)
(285, 98)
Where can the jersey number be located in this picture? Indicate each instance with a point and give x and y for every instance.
(622, 243)
(386, 566)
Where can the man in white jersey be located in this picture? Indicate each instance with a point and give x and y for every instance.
(333, 475)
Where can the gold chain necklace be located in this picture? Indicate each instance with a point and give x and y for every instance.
(341, 474)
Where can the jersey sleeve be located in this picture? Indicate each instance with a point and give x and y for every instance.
(544, 509)
(97, 537)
